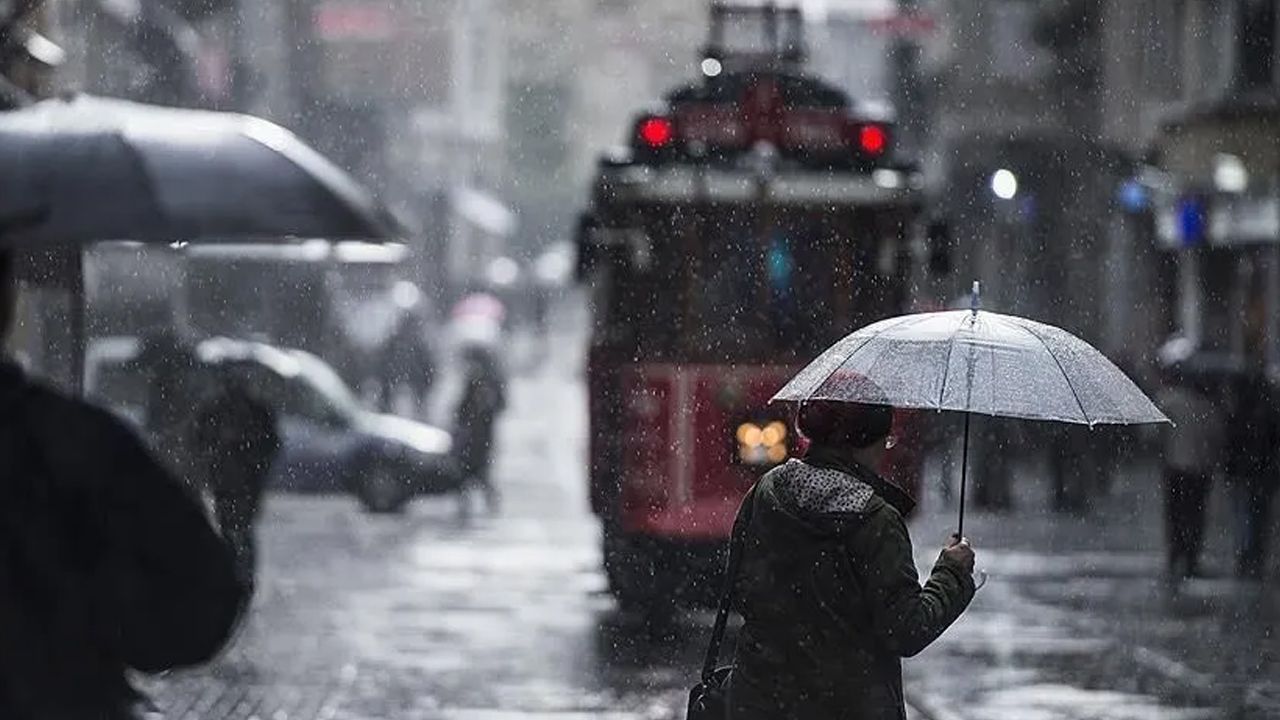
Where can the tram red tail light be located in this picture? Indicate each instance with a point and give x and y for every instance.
(656, 132)
(873, 139)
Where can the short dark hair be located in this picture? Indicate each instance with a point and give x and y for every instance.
(843, 424)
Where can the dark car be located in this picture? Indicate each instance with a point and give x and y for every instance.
(330, 442)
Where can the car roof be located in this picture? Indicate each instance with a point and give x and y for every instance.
(222, 350)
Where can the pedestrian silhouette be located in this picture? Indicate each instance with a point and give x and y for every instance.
(1192, 453)
(235, 441)
(1253, 467)
(483, 399)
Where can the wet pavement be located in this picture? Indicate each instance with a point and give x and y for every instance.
(424, 616)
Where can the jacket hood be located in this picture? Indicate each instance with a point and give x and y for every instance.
(820, 490)
(820, 485)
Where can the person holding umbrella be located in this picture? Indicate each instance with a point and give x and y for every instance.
(831, 557)
(828, 583)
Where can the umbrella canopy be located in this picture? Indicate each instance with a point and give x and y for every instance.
(80, 169)
(975, 362)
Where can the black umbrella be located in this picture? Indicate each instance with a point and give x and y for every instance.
(78, 169)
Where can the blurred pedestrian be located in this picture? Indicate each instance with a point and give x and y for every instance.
(827, 582)
(235, 441)
(407, 364)
(483, 399)
(169, 363)
(108, 563)
(1192, 453)
(1252, 446)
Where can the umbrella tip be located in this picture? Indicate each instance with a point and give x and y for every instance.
(975, 299)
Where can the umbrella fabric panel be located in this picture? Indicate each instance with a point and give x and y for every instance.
(48, 177)
(999, 369)
(1103, 390)
(249, 190)
(823, 369)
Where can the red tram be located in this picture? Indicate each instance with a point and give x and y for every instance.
(758, 217)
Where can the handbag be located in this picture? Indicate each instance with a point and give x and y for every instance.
(708, 700)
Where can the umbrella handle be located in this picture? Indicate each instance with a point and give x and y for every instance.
(964, 474)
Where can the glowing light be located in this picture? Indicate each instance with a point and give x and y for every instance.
(1230, 174)
(762, 445)
(657, 132)
(887, 179)
(711, 67)
(873, 139)
(503, 271)
(1004, 184)
(775, 433)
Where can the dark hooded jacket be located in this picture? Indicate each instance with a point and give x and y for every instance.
(831, 598)
(106, 563)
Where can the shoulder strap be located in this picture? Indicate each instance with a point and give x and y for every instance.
(737, 542)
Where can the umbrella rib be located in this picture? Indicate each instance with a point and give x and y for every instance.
(946, 368)
(1070, 385)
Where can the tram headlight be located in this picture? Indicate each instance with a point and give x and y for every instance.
(762, 443)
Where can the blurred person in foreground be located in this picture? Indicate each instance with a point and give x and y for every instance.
(484, 396)
(1253, 467)
(108, 564)
(236, 440)
(828, 585)
(1192, 452)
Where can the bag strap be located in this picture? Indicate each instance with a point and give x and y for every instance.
(737, 543)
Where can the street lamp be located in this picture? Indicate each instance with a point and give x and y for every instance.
(1004, 184)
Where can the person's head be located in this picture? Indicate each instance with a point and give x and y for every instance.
(477, 359)
(856, 429)
(8, 293)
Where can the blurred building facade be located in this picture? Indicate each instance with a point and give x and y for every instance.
(580, 70)
(1023, 90)
(1141, 134)
(1216, 152)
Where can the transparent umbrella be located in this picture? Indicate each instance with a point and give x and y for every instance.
(973, 361)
